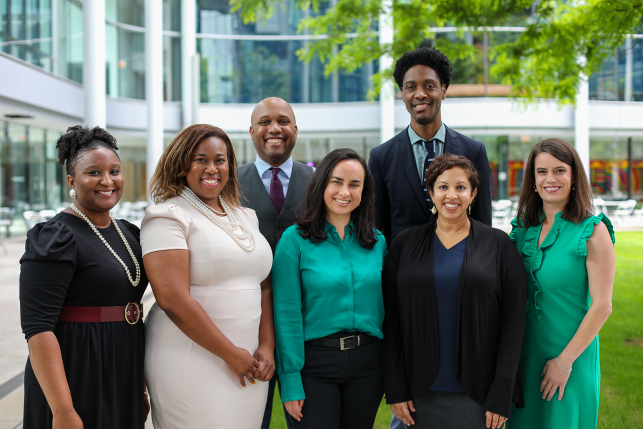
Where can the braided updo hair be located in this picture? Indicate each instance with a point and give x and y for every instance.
(78, 140)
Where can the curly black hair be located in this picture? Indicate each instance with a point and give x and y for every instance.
(429, 57)
(79, 140)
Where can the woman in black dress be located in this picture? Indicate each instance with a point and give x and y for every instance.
(81, 276)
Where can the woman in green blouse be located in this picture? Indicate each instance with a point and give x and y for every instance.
(327, 288)
(569, 256)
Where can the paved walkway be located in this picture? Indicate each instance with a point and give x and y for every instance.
(13, 347)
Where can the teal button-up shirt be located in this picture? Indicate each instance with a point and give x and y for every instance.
(322, 289)
(419, 153)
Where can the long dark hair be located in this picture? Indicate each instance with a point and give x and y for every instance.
(579, 205)
(311, 223)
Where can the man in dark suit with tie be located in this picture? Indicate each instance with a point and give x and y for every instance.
(274, 185)
(398, 166)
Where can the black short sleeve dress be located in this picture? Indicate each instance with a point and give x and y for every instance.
(66, 264)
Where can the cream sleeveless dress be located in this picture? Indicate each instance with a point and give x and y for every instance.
(189, 386)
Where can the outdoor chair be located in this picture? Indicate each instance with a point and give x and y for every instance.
(599, 206)
(502, 212)
(6, 219)
(624, 211)
(31, 218)
(45, 215)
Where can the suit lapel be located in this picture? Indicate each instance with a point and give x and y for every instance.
(257, 189)
(293, 186)
(451, 143)
(405, 154)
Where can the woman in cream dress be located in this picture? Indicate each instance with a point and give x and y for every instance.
(210, 336)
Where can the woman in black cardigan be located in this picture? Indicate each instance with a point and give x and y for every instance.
(454, 296)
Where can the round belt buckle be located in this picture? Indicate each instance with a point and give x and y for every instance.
(135, 312)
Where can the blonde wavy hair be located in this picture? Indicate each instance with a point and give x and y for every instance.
(169, 178)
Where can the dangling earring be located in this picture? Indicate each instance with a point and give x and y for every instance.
(72, 193)
(573, 187)
(535, 189)
(434, 210)
(469, 209)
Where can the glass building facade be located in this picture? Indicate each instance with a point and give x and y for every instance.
(244, 63)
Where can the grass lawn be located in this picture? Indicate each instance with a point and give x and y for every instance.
(621, 342)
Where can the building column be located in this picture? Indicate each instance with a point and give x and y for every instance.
(628, 68)
(387, 91)
(154, 83)
(94, 84)
(581, 123)
(188, 51)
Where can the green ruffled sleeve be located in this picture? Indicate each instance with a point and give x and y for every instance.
(514, 230)
(588, 230)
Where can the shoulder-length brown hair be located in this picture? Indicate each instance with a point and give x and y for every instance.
(169, 180)
(579, 206)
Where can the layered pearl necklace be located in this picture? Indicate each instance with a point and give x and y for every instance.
(129, 250)
(236, 229)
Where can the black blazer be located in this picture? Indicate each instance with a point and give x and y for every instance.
(399, 197)
(272, 224)
(491, 318)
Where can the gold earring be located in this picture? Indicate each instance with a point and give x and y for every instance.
(434, 210)
(469, 209)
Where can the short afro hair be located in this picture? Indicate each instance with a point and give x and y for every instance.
(429, 57)
(448, 161)
(79, 140)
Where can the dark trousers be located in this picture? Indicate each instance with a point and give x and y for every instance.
(267, 414)
(343, 387)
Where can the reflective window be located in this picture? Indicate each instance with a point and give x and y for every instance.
(610, 175)
(608, 83)
(214, 17)
(637, 70)
(125, 58)
(247, 71)
(130, 12)
(68, 40)
(25, 30)
(30, 177)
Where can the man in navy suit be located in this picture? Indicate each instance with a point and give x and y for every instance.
(398, 165)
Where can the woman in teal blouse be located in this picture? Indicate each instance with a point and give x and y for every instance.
(327, 288)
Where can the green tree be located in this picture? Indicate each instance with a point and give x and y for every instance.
(563, 41)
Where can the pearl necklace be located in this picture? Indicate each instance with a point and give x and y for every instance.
(236, 229)
(129, 249)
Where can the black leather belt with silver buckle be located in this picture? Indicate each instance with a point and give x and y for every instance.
(344, 343)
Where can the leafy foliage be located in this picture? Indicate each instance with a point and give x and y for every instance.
(563, 41)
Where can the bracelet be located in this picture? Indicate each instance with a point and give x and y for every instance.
(561, 368)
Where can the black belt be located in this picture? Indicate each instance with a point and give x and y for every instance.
(344, 343)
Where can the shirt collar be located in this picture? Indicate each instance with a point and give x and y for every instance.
(263, 166)
(440, 135)
(328, 226)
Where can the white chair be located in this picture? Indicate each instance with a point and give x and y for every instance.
(624, 212)
(31, 218)
(6, 219)
(45, 215)
(502, 212)
(599, 206)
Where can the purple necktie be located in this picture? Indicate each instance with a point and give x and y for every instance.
(276, 190)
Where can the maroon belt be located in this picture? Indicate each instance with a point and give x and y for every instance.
(130, 313)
